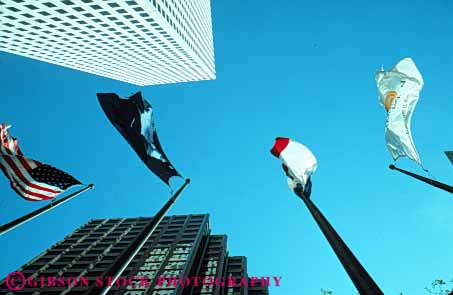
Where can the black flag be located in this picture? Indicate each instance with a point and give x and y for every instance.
(133, 118)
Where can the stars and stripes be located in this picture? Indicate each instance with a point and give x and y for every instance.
(9, 144)
(32, 180)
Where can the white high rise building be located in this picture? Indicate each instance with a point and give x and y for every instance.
(143, 42)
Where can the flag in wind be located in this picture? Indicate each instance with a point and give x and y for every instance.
(30, 179)
(399, 91)
(133, 118)
(299, 162)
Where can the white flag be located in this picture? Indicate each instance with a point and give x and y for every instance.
(298, 161)
(399, 91)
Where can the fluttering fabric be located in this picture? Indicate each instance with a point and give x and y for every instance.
(30, 179)
(133, 118)
(298, 162)
(399, 90)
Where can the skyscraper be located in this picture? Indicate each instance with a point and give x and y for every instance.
(181, 247)
(143, 42)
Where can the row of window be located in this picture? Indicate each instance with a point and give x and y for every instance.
(83, 22)
(75, 28)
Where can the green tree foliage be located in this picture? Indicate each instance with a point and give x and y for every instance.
(326, 292)
(438, 287)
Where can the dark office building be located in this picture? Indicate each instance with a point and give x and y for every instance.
(181, 247)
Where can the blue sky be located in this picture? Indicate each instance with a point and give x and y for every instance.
(303, 70)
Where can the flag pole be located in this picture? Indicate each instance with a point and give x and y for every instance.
(21, 220)
(125, 258)
(429, 181)
(357, 273)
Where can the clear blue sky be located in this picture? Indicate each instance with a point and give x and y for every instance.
(303, 70)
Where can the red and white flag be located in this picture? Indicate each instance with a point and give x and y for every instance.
(30, 179)
(9, 144)
(299, 162)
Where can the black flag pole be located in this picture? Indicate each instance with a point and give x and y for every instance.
(131, 252)
(359, 276)
(429, 181)
(21, 220)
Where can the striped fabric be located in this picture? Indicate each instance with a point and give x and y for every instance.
(9, 144)
(30, 179)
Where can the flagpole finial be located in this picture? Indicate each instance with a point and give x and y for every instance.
(90, 186)
(187, 180)
(392, 167)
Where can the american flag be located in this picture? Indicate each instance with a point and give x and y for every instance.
(32, 180)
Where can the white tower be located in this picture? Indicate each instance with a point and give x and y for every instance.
(143, 42)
